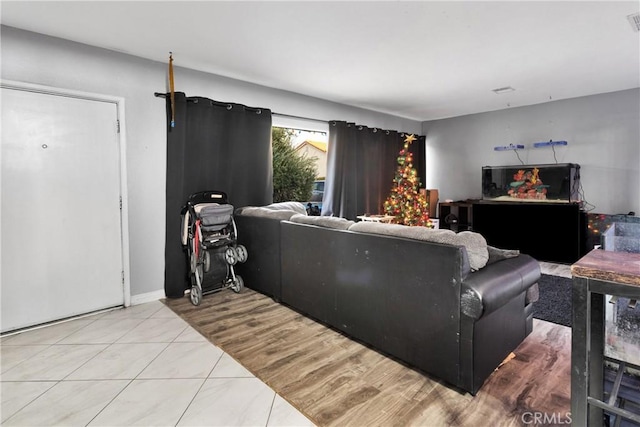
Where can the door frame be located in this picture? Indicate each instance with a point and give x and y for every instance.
(122, 148)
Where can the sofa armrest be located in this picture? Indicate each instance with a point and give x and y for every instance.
(495, 285)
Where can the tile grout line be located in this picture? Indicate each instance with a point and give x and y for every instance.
(99, 313)
(48, 346)
(31, 401)
(56, 343)
(145, 367)
(191, 401)
(109, 402)
(126, 386)
(215, 364)
(273, 401)
(101, 351)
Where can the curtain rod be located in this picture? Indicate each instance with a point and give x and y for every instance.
(291, 116)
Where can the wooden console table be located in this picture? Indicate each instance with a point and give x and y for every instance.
(461, 214)
(376, 218)
(595, 275)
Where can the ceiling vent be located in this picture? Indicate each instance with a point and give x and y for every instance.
(634, 20)
(501, 90)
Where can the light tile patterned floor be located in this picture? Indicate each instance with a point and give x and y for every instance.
(137, 366)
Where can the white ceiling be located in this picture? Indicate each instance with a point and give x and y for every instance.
(419, 60)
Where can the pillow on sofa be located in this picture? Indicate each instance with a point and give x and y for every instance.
(264, 212)
(475, 244)
(496, 254)
(323, 221)
(297, 207)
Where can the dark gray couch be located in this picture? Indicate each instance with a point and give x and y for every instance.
(414, 300)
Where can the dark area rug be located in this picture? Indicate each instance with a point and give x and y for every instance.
(554, 304)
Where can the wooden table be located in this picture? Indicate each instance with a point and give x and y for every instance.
(376, 218)
(595, 275)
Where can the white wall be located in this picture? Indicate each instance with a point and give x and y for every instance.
(35, 58)
(603, 134)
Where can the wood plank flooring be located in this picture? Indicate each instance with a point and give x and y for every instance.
(336, 381)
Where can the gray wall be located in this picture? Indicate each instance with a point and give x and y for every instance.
(603, 134)
(35, 58)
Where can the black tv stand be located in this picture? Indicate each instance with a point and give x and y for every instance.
(553, 232)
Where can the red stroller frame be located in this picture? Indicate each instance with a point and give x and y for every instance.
(210, 237)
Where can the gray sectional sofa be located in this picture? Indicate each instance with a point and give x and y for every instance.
(441, 302)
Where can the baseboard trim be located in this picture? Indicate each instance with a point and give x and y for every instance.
(147, 297)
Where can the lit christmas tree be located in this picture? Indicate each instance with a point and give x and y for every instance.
(405, 202)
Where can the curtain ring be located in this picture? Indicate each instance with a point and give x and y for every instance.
(195, 101)
(211, 103)
(375, 130)
(359, 127)
(333, 123)
(388, 132)
(229, 106)
(258, 111)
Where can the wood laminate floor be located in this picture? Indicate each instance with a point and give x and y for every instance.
(336, 381)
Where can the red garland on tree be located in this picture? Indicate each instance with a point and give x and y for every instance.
(405, 202)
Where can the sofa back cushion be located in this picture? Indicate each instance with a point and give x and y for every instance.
(265, 212)
(323, 221)
(474, 243)
(297, 207)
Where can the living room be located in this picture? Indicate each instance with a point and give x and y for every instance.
(601, 126)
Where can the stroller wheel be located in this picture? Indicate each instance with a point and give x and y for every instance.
(238, 285)
(196, 295)
(241, 253)
(206, 261)
(230, 256)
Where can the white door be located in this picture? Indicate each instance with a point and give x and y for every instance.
(61, 229)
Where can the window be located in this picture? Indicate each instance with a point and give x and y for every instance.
(307, 186)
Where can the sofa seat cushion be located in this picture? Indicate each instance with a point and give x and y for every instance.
(265, 212)
(474, 243)
(323, 221)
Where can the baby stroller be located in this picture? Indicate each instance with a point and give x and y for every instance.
(209, 235)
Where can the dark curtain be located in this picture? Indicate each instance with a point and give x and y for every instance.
(213, 146)
(361, 165)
